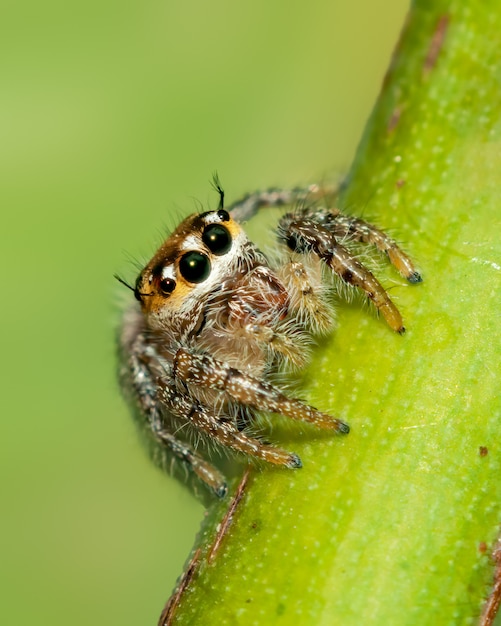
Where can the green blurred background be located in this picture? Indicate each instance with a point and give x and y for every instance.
(113, 117)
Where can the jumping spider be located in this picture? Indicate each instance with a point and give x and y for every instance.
(215, 319)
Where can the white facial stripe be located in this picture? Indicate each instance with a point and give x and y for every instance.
(191, 242)
(212, 218)
(168, 272)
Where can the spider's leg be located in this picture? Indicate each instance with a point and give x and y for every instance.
(204, 470)
(305, 235)
(356, 229)
(140, 369)
(225, 432)
(244, 209)
(207, 372)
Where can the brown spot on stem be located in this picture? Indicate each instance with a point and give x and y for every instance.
(167, 616)
(483, 451)
(171, 606)
(228, 517)
(394, 118)
(491, 607)
(400, 183)
(436, 43)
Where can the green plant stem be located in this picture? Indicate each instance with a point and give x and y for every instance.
(393, 524)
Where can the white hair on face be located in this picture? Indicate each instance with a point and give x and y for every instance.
(191, 242)
(168, 272)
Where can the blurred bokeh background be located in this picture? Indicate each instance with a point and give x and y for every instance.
(113, 117)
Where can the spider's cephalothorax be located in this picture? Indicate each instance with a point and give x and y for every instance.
(214, 320)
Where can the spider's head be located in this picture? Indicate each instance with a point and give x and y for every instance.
(203, 251)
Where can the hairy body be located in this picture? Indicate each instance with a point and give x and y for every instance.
(215, 319)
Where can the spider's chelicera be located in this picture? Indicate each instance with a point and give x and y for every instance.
(215, 318)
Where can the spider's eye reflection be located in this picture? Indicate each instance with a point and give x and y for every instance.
(194, 267)
(217, 239)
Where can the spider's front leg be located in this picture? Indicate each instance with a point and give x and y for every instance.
(355, 229)
(242, 389)
(203, 370)
(224, 431)
(303, 235)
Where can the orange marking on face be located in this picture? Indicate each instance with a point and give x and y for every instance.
(170, 253)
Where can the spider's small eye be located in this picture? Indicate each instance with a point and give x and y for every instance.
(194, 267)
(223, 215)
(217, 239)
(167, 286)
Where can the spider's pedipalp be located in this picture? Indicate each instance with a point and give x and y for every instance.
(308, 295)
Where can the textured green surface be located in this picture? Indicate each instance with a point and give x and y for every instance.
(386, 525)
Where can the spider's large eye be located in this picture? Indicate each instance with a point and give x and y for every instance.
(194, 267)
(217, 239)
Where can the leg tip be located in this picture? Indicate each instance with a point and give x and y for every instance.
(294, 462)
(415, 278)
(221, 490)
(343, 428)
